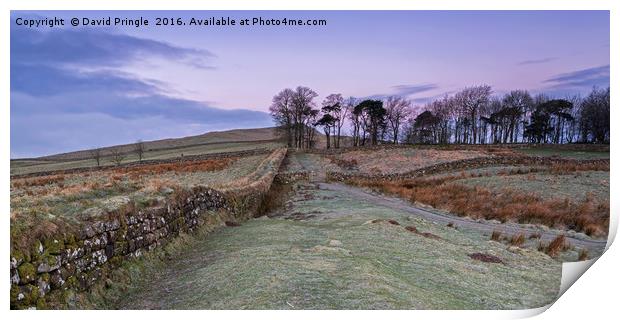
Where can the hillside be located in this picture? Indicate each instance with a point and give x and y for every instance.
(234, 136)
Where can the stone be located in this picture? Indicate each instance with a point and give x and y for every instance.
(27, 273)
(43, 285)
(335, 243)
(56, 280)
(14, 277)
(54, 246)
(49, 263)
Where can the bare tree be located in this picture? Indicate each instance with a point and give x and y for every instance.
(355, 118)
(96, 154)
(117, 156)
(139, 149)
(332, 105)
(471, 100)
(303, 108)
(294, 111)
(281, 110)
(516, 104)
(341, 116)
(397, 110)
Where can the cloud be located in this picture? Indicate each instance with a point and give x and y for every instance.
(44, 80)
(536, 61)
(578, 82)
(85, 47)
(404, 90)
(57, 106)
(584, 77)
(407, 89)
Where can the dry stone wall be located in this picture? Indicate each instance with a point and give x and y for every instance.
(464, 164)
(60, 266)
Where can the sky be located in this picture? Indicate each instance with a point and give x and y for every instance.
(88, 86)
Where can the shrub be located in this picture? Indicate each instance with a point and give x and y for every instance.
(590, 216)
(556, 246)
(496, 235)
(517, 239)
(583, 254)
(485, 257)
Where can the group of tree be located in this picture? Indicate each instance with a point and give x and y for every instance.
(117, 155)
(297, 116)
(474, 116)
(471, 116)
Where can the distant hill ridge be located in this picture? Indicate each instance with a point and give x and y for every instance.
(214, 137)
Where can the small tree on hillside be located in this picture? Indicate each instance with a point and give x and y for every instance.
(116, 156)
(96, 155)
(139, 149)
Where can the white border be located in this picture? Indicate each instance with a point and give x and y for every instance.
(594, 295)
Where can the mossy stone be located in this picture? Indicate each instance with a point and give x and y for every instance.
(71, 282)
(36, 250)
(53, 246)
(45, 277)
(18, 256)
(41, 304)
(70, 239)
(27, 272)
(14, 293)
(32, 296)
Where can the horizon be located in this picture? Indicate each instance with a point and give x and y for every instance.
(114, 86)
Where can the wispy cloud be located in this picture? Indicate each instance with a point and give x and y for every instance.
(582, 77)
(536, 61)
(578, 81)
(99, 48)
(411, 89)
(404, 90)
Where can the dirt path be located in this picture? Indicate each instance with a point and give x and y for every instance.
(318, 166)
(594, 246)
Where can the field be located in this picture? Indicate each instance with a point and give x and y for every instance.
(19, 167)
(567, 153)
(565, 197)
(399, 160)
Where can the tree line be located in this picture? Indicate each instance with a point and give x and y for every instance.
(471, 116)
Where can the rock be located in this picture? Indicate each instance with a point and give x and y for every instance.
(335, 243)
(54, 247)
(49, 263)
(56, 280)
(27, 273)
(14, 277)
(43, 285)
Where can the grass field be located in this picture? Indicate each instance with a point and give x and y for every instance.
(576, 186)
(40, 165)
(399, 160)
(565, 197)
(563, 153)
